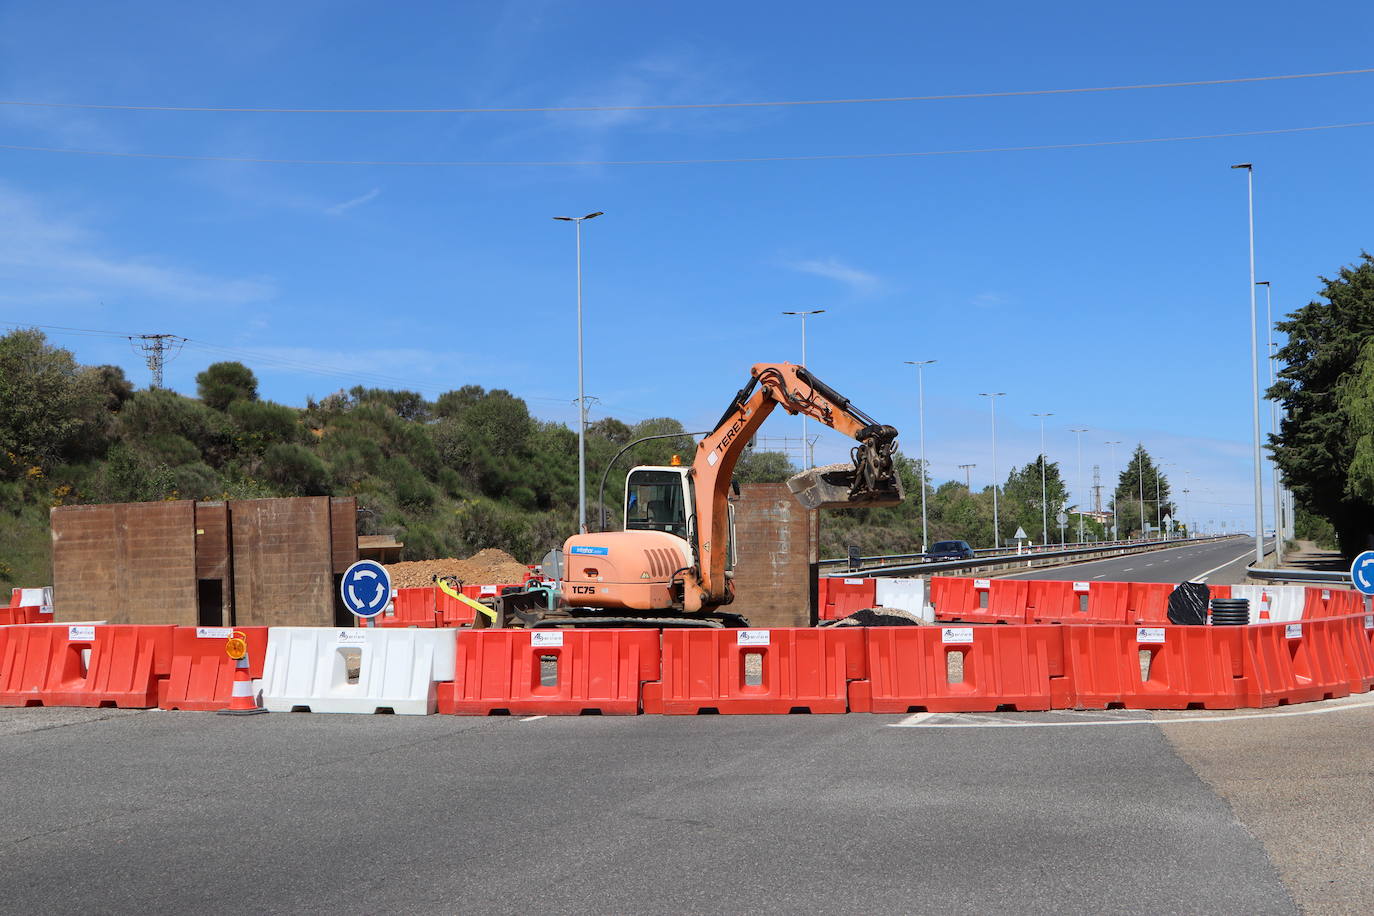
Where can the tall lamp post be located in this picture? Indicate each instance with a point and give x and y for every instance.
(1044, 505)
(807, 457)
(581, 393)
(1254, 364)
(1140, 475)
(992, 397)
(1273, 423)
(1080, 430)
(921, 409)
(1116, 529)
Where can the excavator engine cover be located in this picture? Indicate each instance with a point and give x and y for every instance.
(832, 487)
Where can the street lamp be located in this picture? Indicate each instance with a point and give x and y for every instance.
(1044, 505)
(1140, 475)
(581, 394)
(1080, 430)
(1254, 364)
(921, 388)
(807, 457)
(1159, 518)
(1116, 530)
(1273, 424)
(992, 397)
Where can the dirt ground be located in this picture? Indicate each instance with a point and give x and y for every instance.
(486, 567)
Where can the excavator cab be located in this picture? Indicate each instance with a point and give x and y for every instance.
(658, 499)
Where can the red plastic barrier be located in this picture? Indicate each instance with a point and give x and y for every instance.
(9, 616)
(837, 598)
(1295, 662)
(1109, 602)
(952, 597)
(1155, 667)
(1148, 603)
(1219, 591)
(550, 672)
(83, 665)
(1078, 602)
(202, 675)
(1358, 652)
(758, 671)
(979, 600)
(915, 669)
(1331, 602)
(413, 607)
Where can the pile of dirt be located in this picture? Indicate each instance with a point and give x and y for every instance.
(486, 567)
(878, 617)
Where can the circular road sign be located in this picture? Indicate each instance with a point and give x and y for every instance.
(1362, 572)
(365, 588)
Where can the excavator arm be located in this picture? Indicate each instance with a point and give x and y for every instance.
(871, 479)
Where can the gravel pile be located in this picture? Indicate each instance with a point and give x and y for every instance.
(879, 617)
(486, 567)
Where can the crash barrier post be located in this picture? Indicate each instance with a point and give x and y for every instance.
(84, 665)
(780, 670)
(839, 597)
(551, 672)
(904, 595)
(202, 674)
(962, 669)
(1148, 603)
(1164, 667)
(979, 600)
(412, 607)
(1077, 602)
(354, 670)
(1297, 663)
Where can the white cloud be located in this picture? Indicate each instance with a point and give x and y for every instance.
(46, 257)
(860, 281)
(347, 205)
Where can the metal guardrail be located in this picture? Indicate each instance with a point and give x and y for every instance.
(1102, 547)
(1340, 577)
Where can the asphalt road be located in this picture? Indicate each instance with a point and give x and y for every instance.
(1217, 562)
(160, 812)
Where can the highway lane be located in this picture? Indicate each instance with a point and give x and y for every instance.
(1217, 562)
(157, 812)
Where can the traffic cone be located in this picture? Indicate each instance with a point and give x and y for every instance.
(1264, 605)
(243, 701)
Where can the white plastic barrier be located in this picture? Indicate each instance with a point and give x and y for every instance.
(40, 598)
(910, 595)
(1285, 601)
(310, 668)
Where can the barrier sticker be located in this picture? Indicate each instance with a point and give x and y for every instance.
(982, 583)
(1149, 634)
(853, 581)
(1293, 631)
(214, 632)
(487, 590)
(1369, 621)
(752, 637)
(1081, 586)
(351, 637)
(80, 634)
(540, 638)
(1326, 594)
(956, 634)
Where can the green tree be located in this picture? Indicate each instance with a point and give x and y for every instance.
(49, 407)
(763, 467)
(1323, 380)
(1137, 480)
(1021, 505)
(221, 384)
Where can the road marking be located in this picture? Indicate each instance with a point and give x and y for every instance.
(919, 720)
(1128, 569)
(1203, 577)
(533, 718)
(1099, 577)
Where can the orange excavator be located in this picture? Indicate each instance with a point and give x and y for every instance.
(673, 563)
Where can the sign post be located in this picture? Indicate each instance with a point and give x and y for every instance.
(366, 590)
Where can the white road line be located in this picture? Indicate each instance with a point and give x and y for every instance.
(1311, 709)
(1128, 569)
(1100, 577)
(1203, 577)
(533, 718)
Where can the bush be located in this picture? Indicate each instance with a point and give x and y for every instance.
(221, 384)
(295, 470)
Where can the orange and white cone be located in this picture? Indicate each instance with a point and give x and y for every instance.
(1264, 605)
(243, 701)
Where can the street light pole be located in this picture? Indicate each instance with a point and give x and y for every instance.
(581, 390)
(1254, 365)
(807, 457)
(1273, 424)
(992, 397)
(1080, 430)
(1044, 504)
(921, 409)
(1140, 474)
(1116, 529)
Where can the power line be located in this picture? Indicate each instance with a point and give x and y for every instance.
(791, 103)
(823, 157)
(157, 348)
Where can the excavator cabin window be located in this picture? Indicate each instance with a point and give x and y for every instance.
(654, 502)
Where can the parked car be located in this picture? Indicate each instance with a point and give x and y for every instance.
(949, 550)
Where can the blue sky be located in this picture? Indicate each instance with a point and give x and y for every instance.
(1107, 285)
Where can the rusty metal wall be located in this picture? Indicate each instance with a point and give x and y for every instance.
(777, 545)
(125, 563)
(283, 562)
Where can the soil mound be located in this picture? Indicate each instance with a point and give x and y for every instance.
(486, 567)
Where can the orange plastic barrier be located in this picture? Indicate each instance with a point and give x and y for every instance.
(1078, 602)
(10, 616)
(837, 598)
(83, 665)
(1331, 602)
(202, 675)
(1295, 662)
(979, 600)
(550, 672)
(1155, 667)
(962, 669)
(1358, 652)
(758, 671)
(1148, 603)
(1219, 591)
(413, 607)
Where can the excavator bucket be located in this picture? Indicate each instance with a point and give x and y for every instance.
(833, 487)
